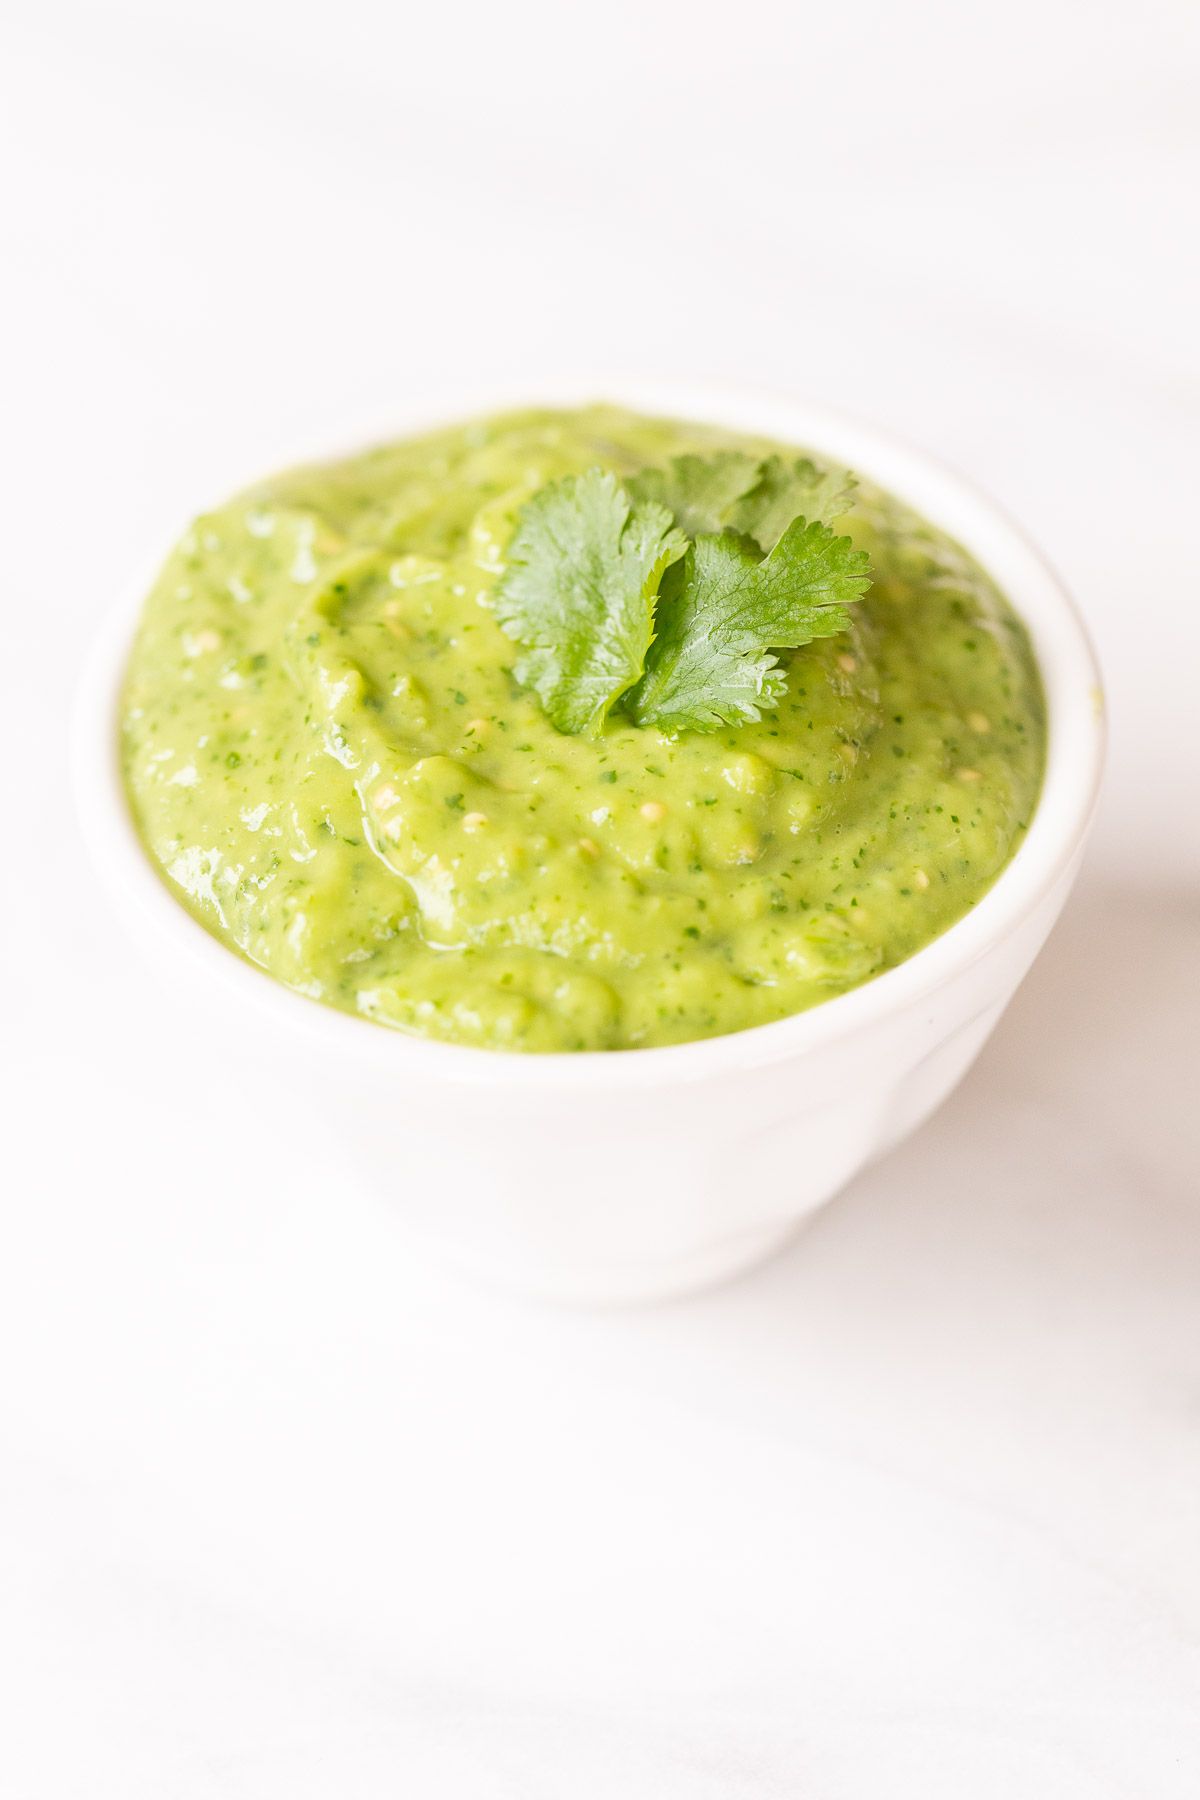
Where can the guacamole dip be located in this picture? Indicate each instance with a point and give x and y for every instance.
(332, 764)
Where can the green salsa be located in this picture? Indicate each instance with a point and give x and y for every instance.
(333, 767)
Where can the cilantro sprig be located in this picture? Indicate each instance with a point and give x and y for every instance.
(670, 595)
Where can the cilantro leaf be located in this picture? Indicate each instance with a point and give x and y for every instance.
(725, 608)
(758, 496)
(701, 491)
(786, 491)
(578, 590)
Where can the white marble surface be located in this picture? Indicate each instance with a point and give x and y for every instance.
(915, 1511)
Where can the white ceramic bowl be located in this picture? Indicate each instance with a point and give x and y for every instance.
(643, 1173)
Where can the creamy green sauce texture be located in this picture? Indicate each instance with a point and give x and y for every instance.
(332, 766)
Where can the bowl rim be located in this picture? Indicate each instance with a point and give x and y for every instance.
(1076, 733)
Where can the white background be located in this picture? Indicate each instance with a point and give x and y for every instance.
(915, 1511)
